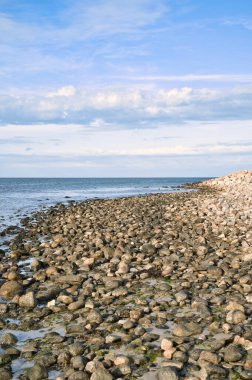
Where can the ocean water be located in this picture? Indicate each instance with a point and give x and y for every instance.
(21, 196)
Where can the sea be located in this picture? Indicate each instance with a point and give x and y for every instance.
(19, 197)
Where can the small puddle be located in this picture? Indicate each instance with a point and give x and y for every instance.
(18, 366)
(52, 375)
(23, 336)
(11, 321)
(25, 265)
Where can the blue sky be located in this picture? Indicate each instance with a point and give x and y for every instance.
(125, 87)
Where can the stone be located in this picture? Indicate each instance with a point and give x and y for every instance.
(78, 362)
(76, 348)
(128, 324)
(5, 358)
(8, 339)
(112, 338)
(5, 374)
(247, 257)
(123, 268)
(166, 344)
(233, 353)
(213, 372)
(69, 279)
(167, 373)
(181, 296)
(187, 329)
(235, 317)
(76, 305)
(78, 375)
(94, 317)
(209, 357)
(64, 358)
(10, 289)
(37, 372)
(46, 360)
(121, 359)
(202, 250)
(3, 308)
(101, 374)
(28, 300)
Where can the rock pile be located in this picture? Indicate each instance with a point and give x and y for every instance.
(153, 287)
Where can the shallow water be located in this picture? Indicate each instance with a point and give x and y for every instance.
(21, 196)
(23, 336)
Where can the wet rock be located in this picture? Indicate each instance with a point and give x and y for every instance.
(63, 359)
(5, 358)
(10, 288)
(76, 348)
(46, 360)
(8, 339)
(54, 337)
(5, 374)
(167, 373)
(37, 372)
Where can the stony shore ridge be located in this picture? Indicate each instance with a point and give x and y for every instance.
(157, 287)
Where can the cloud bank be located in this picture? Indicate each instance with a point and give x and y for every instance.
(128, 107)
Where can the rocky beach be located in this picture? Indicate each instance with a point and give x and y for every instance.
(155, 287)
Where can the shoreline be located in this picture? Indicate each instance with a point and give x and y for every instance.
(24, 197)
(133, 285)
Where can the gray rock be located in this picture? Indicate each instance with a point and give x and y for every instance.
(78, 375)
(213, 372)
(181, 296)
(5, 374)
(100, 373)
(78, 362)
(187, 329)
(76, 348)
(167, 373)
(94, 317)
(233, 353)
(8, 339)
(37, 372)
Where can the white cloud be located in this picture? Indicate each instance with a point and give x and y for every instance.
(127, 106)
(63, 91)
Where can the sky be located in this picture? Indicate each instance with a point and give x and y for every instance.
(125, 88)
